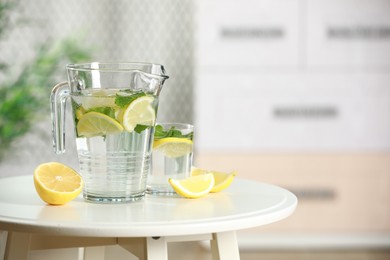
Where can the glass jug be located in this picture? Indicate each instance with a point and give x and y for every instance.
(114, 107)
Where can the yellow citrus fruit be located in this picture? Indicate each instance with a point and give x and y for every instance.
(194, 186)
(173, 147)
(119, 114)
(222, 179)
(57, 183)
(139, 112)
(99, 98)
(80, 112)
(97, 124)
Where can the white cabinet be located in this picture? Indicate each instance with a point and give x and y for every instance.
(297, 93)
(293, 75)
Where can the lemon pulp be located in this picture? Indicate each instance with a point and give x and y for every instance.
(97, 124)
(194, 186)
(139, 112)
(57, 183)
(173, 147)
(222, 179)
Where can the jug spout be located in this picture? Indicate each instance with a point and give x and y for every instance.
(151, 82)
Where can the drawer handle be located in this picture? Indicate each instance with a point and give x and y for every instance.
(252, 33)
(309, 112)
(314, 193)
(358, 32)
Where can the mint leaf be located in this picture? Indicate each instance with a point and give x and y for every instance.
(124, 100)
(160, 133)
(140, 128)
(174, 133)
(109, 111)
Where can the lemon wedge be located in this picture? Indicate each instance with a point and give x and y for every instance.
(139, 112)
(194, 186)
(57, 183)
(222, 179)
(173, 147)
(97, 124)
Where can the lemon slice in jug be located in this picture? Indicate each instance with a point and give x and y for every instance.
(139, 112)
(97, 124)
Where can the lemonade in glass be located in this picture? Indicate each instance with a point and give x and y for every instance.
(172, 156)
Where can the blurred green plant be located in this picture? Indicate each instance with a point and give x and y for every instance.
(25, 99)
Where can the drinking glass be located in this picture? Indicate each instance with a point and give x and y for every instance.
(171, 158)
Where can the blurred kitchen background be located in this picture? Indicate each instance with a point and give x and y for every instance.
(290, 92)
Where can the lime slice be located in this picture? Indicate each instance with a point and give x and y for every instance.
(194, 186)
(139, 112)
(173, 147)
(97, 124)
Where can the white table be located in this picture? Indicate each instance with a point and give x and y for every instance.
(144, 227)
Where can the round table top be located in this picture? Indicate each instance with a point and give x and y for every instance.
(244, 204)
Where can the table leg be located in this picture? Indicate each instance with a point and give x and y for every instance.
(94, 253)
(157, 248)
(18, 245)
(135, 245)
(224, 246)
(3, 243)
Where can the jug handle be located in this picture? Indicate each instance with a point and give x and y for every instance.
(58, 97)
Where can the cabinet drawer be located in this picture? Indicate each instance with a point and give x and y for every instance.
(238, 34)
(348, 33)
(336, 192)
(293, 112)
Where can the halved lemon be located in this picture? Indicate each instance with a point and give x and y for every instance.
(173, 147)
(57, 183)
(97, 124)
(194, 186)
(139, 112)
(222, 179)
